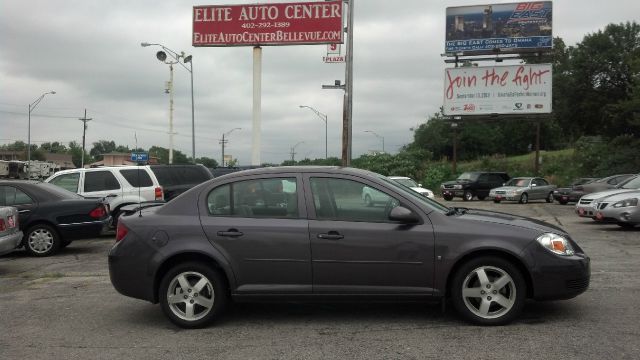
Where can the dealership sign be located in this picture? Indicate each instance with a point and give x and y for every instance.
(505, 27)
(268, 24)
(515, 89)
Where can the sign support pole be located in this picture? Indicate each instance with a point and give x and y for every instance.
(257, 110)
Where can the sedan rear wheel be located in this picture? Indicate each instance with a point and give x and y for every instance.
(192, 295)
(41, 240)
(550, 198)
(488, 291)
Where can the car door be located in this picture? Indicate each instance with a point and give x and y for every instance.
(99, 184)
(261, 228)
(356, 249)
(13, 196)
(542, 188)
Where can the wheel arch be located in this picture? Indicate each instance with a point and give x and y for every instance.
(491, 252)
(190, 256)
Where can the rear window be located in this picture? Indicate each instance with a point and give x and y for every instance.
(137, 177)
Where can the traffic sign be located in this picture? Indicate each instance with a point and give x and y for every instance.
(141, 156)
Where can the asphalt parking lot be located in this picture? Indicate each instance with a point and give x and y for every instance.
(64, 307)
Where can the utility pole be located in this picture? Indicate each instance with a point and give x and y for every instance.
(84, 133)
(223, 142)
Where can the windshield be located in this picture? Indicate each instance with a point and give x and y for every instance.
(633, 183)
(518, 182)
(467, 176)
(413, 195)
(406, 182)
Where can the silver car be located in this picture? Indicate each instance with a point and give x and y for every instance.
(586, 206)
(10, 234)
(622, 209)
(523, 189)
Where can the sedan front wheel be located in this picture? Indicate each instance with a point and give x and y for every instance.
(488, 291)
(192, 295)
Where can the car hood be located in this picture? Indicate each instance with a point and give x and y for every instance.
(607, 193)
(495, 217)
(624, 196)
(508, 188)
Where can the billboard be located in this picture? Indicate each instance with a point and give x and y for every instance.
(508, 27)
(268, 24)
(512, 89)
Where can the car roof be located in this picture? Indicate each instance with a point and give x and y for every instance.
(298, 169)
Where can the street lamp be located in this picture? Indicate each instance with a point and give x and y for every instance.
(322, 117)
(378, 136)
(293, 151)
(31, 107)
(223, 142)
(161, 55)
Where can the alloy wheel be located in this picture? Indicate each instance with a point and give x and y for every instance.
(190, 296)
(489, 292)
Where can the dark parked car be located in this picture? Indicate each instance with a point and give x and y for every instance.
(470, 184)
(572, 193)
(304, 233)
(51, 217)
(176, 179)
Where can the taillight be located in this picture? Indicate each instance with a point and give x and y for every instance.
(3, 227)
(98, 212)
(121, 232)
(159, 194)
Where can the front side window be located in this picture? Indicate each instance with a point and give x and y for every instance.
(100, 181)
(348, 200)
(67, 181)
(261, 198)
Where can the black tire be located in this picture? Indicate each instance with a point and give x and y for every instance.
(41, 240)
(549, 198)
(524, 198)
(213, 294)
(467, 196)
(367, 200)
(485, 309)
(448, 197)
(481, 197)
(496, 201)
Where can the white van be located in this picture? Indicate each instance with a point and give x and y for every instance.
(120, 185)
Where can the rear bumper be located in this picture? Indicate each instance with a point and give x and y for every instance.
(10, 242)
(130, 275)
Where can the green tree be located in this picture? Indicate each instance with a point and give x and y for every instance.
(207, 162)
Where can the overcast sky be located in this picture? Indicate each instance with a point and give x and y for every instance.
(89, 53)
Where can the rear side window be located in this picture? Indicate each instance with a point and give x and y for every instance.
(194, 175)
(100, 181)
(263, 198)
(11, 196)
(137, 177)
(163, 175)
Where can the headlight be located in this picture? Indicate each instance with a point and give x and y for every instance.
(626, 203)
(556, 244)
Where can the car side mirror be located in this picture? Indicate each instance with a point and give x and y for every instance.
(419, 185)
(403, 215)
(534, 185)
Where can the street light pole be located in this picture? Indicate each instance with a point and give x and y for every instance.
(223, 142)
(322, 117)
(378, 136)
(31, 107)
(185, 59)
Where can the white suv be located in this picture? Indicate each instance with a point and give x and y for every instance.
(120, 185)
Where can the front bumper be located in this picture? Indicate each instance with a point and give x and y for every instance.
(504, 197)
(10, 242)
(558, 277)
(625, 215)
(586, 211)
(453, 192)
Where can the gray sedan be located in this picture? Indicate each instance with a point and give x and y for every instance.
(304, 233)
(523, 189)
(622, 209)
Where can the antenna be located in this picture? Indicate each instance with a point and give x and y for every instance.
(135, 135)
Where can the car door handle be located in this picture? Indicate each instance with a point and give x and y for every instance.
(332, 235)
(230, 233)
(25, 211)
